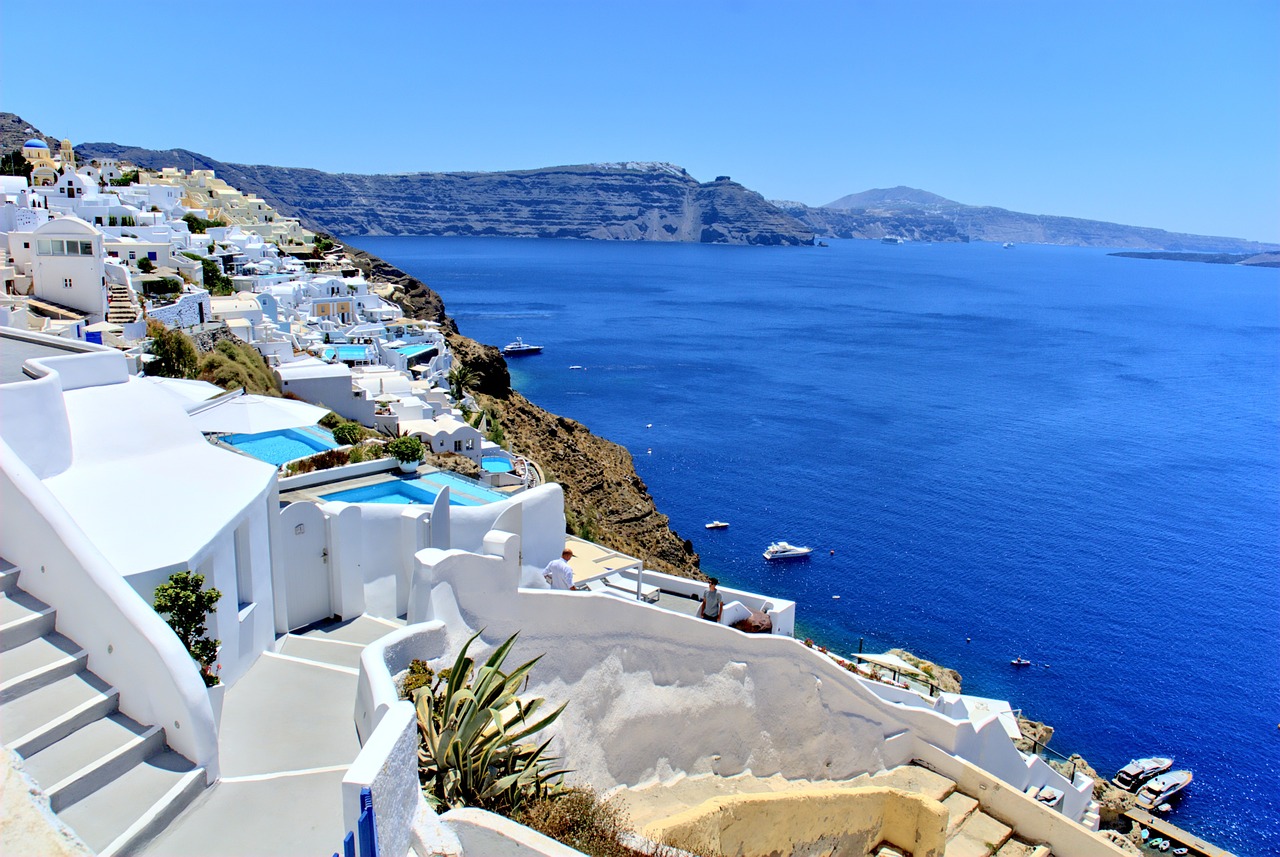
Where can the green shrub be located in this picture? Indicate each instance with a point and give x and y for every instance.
(580, 819)
(419, 675)
(198, 225)
(175, 354)
(331, 420)
(185, 605)
(237, 365)
(406, 449)
(348, 433)
(473, 729)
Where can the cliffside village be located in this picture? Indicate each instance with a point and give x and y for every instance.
(331, 580)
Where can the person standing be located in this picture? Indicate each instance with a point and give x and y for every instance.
(558, 572)
(712, 602)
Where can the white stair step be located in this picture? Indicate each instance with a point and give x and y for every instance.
(325, 651)
(8, 575)
(35, 720)
(37, 663)
(23, 617)
(92, 756)
(134, 806)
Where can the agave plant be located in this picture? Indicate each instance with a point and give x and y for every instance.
(475, 748)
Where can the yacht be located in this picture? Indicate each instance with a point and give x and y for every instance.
(519, 347)
(782, 550)
(717, 525)
(1008, 245)
(1020, 662)
(890, 239)
(1163, 789)
(1133, 775)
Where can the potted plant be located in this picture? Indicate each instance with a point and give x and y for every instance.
(409, 451)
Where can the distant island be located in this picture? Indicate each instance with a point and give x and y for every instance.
(1257, 260)
(918, 215)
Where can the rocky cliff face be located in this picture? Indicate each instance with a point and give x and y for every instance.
(625, 201)
(918, 215)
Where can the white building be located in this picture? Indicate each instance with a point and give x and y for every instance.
(67, 265)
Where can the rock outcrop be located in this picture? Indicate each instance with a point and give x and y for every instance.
(947, 680)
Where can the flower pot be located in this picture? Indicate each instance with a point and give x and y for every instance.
(409, 466)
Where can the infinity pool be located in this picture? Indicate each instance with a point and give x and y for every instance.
(493, 464)
(419, 491)
(280, 447)
(412, 351)
(353, 352)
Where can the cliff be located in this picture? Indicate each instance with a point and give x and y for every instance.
(622, 201)
(605, 499)
(918, 215)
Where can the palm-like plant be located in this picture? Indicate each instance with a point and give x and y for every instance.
(474, 729)
(460, 378)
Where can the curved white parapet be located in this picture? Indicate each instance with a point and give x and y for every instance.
(129, 645)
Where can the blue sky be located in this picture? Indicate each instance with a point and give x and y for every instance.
(1159, 114)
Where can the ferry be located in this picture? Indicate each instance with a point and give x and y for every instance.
(717, 525)
(782, 550)
(520, 347)
(1133, 775)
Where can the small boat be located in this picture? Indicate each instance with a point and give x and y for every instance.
(1008, 245)
(1020, 662)
(576, 366)
(1154, 843)
(717, 525)
(1165, 845)
(1144, 833)
(823, 244)
(1180, 851)
(1164, 807)
(890, 239)
(1133, 775)
(783, 550)
(1163, 789)
(519, 347)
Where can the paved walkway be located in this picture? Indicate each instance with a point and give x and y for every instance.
(287, 738)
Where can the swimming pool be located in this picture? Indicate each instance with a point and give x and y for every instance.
(412, 351)
(462, 488)
(353, 352)
(279, 447)
(418, 491)
(494, 464)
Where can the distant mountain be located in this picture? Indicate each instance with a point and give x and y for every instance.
(893, 197)
(628, 201)
(918, 215)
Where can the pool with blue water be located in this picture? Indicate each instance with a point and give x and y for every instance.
(494, 464)
(279, 447)
(419, 491)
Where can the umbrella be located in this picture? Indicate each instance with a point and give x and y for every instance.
(250, 414)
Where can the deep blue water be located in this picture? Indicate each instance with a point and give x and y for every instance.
(1058, 454)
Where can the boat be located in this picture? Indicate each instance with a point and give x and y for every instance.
(890, 239)
(783, 550)
(519, 347)
(1165, 845)
(1163, 789)
(1181, 852)
(1020, 662)
(576, 366)
(1133, 775)
(1008, 245)
(717, 525)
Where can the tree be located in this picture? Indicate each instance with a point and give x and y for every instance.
(14, 164)
(215, 281)
(173, 353)
(145, 265)
(407, 449)
(185, 604)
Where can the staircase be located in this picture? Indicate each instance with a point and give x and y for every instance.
(112, 780)
(122, 304)
(970, 831)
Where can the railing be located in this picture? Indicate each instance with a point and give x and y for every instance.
(366, 832)
(1047, 753)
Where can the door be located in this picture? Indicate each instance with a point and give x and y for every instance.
(306, 564)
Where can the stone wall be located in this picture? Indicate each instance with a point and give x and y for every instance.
(184, 313)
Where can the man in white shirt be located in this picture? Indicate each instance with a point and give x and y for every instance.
(558, 572)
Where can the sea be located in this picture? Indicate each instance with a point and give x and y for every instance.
(1039, 452)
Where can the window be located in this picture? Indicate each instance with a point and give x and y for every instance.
(457, 446)
(59, 248)
(151, 255)
(26, 245)
(66, 282)
(133, 254)
(244, 568)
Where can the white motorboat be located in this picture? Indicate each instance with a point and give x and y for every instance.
(783, 550)
(890, 239)
(717, 525)
(1008, 245)
(1163, 789)
(1133, 775)
(519, 347)
(1020, 662)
